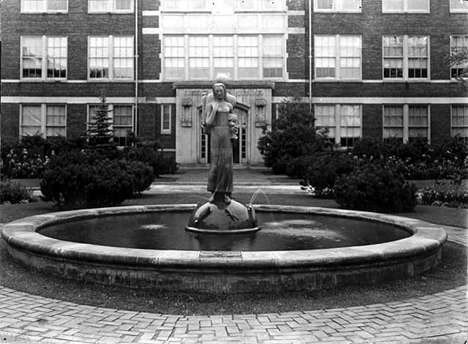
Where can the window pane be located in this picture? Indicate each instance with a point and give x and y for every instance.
(30, 120)
(166, 117)
(33, 5)
(325, 116)
(458, 5)
(273, 61)
(99, 6)
(414, 5)
(199, 58)
(123, 57)
(393, 56)
(248, 57)
(459, 49)
(325, 56)
(99, 57)
(418, 121)
(393, 5)
(417, 47)
(57, 5)
(351, 5)
(174, 60)
(32, 56)
(223, 55)
(55, 120)
(350, 57)
(325, 4)
(123, 5)
(56, 57)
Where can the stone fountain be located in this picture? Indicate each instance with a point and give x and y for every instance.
(45, 243)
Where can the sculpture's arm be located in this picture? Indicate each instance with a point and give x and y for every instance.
(211, 110)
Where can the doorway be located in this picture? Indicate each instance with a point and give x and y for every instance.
(239, 148)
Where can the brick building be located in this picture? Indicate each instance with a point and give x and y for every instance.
(367, 68)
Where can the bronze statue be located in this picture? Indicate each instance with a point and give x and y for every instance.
(222, 124)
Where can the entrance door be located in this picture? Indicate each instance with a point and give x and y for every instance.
(239, 148)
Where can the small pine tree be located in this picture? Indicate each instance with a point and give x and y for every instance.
(100, 132)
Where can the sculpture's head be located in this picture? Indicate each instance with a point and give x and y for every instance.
(219, 91)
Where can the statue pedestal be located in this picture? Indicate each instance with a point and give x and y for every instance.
(221, 218)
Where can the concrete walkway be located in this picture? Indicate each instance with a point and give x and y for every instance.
(438, 318)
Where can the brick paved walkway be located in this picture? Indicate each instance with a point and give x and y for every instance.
(439, 318)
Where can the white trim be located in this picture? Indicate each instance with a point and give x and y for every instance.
(151, 31)
(66, 100)
(296, 30)
(157, 81)
(379, 100)
(406, 10)
(166, 131)
(150, 13)
(278, 99)
(296, 13)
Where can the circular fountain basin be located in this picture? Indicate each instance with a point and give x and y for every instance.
(237, 270)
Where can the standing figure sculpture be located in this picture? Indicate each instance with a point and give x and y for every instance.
(222, 124)
(221, 214)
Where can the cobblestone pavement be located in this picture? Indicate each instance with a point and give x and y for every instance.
(439, 318)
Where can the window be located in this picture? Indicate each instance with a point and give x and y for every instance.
(460, 6)
(459, 126)
(405, 122)
(165, 119)
(337, 6)
(458, 46)
(44, 57)
(248, 57)
(46, 120)
(343, 122)
(223, 55)
(406, 57)
(111, 58)
(338, 57)
(398, 6)
(122, 121)
(199, 57)
(273, 61)
(41, 6)
(174, 61)
(106, 6)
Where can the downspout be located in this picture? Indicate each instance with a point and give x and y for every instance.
(310, 60)
(136, 68)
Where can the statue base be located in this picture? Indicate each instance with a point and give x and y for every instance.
(223, 218)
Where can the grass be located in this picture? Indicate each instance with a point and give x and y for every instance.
(449, 274)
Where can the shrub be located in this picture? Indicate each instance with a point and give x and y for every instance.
(29, 157)
(13, 192)
(321, 171)
(445, 193)
(142, 175)
(375, 187)
(293, 136)
(419, 159)
(77, 179)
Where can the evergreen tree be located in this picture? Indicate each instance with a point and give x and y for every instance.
(292, 136)
(100, 132)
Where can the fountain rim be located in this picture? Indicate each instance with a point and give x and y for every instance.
(22, 235)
